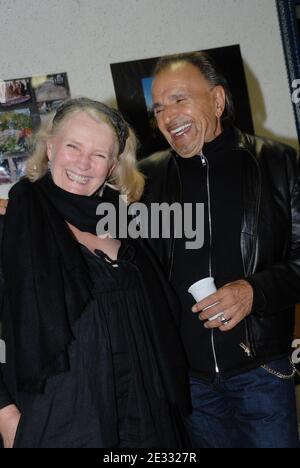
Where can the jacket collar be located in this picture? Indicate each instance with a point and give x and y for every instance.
(241, 141)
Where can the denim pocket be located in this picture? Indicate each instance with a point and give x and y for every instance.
(283, 369)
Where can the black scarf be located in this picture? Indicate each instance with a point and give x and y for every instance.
(46, 278)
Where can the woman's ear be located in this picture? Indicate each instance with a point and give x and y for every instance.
(111, 170)
(49, 147)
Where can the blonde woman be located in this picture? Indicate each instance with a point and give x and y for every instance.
(92, 353)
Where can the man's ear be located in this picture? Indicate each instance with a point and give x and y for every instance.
(220, 100)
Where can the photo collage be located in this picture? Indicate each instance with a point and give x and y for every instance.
(24, 104)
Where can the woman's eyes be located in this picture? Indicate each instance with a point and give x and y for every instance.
(96, 155)
(100, 156)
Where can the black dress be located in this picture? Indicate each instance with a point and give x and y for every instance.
(114, 394)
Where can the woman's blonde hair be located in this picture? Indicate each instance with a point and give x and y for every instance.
(125, 177)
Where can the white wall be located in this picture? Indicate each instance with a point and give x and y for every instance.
(82, 37)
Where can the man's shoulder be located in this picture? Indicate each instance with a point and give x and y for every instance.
(264, 147)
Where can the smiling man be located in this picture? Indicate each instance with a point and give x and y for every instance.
(240, 372)
(186, 106)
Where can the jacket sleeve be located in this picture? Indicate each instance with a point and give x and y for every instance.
(5, 398)
(278, 287)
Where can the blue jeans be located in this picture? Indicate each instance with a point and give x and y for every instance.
(255, 409)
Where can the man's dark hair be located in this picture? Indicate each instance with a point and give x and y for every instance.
(211, 72)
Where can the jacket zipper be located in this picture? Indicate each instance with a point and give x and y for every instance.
(206, 164)
(247, 348)
(173, 239)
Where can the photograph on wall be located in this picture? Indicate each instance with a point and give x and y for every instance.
(132, 82)
(45, 107)
(50, 87)
(5, 175)
(15, 131)
(24, 104)
(18, 166)
(15, 92)
(12, 168)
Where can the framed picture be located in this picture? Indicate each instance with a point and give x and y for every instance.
(14, 92)
(50, 87)
(289, 19)
(45, 107)
(132, 82)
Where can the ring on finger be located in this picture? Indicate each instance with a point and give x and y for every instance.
(224, 320)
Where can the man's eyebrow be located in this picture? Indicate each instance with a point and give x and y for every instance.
(173, 97)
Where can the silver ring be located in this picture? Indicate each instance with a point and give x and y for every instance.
(224, 320)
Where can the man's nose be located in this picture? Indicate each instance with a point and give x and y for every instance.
(169, 114)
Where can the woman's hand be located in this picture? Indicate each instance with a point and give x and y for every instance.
(9, 420)
(3, 206)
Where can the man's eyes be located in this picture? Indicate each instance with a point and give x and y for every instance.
(158, 110)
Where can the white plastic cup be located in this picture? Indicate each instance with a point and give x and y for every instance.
(203, 288)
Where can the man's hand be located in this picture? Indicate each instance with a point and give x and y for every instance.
(3, 206)
(234, 300)
(9, 420)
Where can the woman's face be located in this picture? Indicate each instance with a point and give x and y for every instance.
(81, 154)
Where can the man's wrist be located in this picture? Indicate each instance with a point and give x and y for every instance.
(259, 300)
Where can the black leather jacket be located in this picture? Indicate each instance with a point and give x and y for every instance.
(270, 234)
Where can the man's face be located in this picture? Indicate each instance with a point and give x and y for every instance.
(187, 107)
